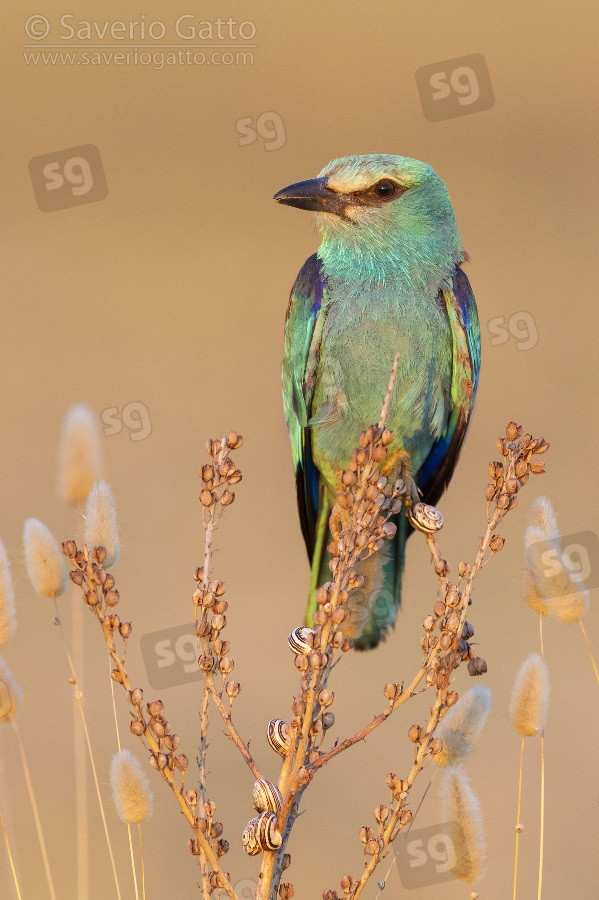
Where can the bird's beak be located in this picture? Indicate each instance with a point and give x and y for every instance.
(316, 196)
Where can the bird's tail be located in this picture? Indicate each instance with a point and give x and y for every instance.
(373, 607)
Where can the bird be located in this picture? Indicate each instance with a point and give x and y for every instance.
(386, 279)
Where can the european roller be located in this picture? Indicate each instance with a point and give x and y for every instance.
(386, 279)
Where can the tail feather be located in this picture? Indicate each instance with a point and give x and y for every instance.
(373, 607)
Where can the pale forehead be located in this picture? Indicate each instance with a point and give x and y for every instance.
(354, 173)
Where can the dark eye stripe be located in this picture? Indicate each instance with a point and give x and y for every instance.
(384, 191)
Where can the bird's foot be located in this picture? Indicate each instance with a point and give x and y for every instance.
(398, 467)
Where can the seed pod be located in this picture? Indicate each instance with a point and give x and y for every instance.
(125, 629)
(348, 884)
(298, 640)
(328, 720)
(426, 518)
(227, 498)
(391, 690)
(490, 492)
(452, 698)
(193, 846)
(277, 734)
(225, 665)
(439, 609)
(267, 796)
(137, 727)
(428, 624)
(286, 891)
(381, 814)
(206, 662)
(537, 467)
(325, 697)
(232, 688)
(172, 741)
(414, 733)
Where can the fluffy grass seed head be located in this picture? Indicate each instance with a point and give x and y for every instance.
(130, 788)
(44, 560)
(100, 522)
(530, 696)
(550, 584)
(461, 809)
(542, 515)
(79, 456)
(8, 615)
(574, 603)
(461, 726)
(10, 693)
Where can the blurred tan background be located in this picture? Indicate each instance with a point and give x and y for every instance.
(172, 292)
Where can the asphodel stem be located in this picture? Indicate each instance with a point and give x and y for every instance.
(518, 817)
(14, 874)
(36, 815)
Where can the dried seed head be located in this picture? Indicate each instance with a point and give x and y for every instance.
(477, 666)
(155, 708)
(325, 697)
(496, 543)
(79, 456)
(381, 814)
(286, 891)
(44, 561)
(414, 733)
(328, 720)
(227, 498)
(232, 688)
(100, 522)
(348, 884)
(234, 440)
(206, 662)
(130, 788)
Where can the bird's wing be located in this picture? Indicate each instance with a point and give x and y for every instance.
(437, 469)
(303, 333)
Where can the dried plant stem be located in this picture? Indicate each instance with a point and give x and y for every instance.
(541, 636)
(133, 860)
(143, 870)
(80, 766)
(84, 573)
(118, 741)
(518, 816)
(542, 838)
(79, 701)
(36, 815)
(12, 866)
(387, 401)
(587, 642)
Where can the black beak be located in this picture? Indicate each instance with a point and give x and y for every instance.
(315, 196)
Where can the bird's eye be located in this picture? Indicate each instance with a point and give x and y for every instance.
(386, 190)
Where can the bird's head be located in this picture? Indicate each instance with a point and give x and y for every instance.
(381, 216)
